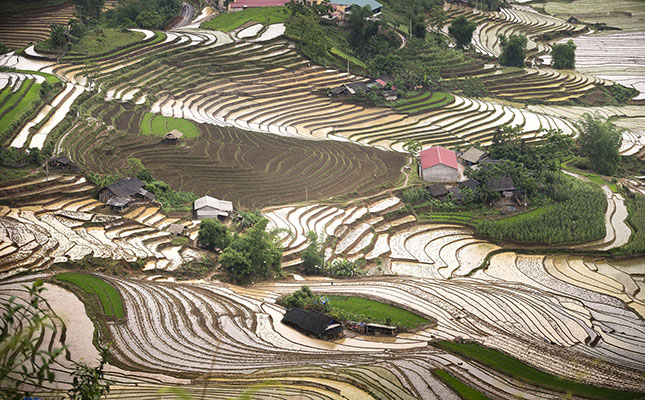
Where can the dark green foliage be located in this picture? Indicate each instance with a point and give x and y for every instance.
(305, 299)
(472, 87)
(636, 220)
(149, 19)
(213, 235)
(247, 219)
(462, 31)
(12, 157)
(518, 370)
(564, 55)
(171, 199)
(359, 309)
(21, 360)
(362, 32)
(385, 64)
(419, 26)
(344, 268)
(311, 39)
(101, 180)
(313, 257)
(57, 36)
(622, 93)
(3, 48)
(600, 142)
(577, 216)
(255, 254)
(413, 147)
(513, 50)
(415, 194)
(156, 13)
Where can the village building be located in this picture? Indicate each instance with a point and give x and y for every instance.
(240, 5)
(313, 323)
(473, 156)
(438, 164)
(61, 163)
(343, 7)
(380, 330)
(210, 207)
(438, 190)
(390, 95)
(177, 230)
(131, 188)
(469, 183)
(119, 203)
(504, 185)
(455, 194)
(173, 136)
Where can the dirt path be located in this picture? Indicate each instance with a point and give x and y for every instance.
(404, 41)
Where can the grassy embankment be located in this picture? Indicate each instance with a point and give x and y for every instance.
(522, 372)
(365, 310)
(464, 391)
(263, 15)
(108, 295)
(158, 125)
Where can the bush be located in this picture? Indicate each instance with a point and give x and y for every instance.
(564, 55)
(513, 50)
(213, 235)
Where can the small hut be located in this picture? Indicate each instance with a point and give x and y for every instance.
(177, 230)
(173, 136)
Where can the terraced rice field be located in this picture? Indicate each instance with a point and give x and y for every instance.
(251, 169)
(20, 29)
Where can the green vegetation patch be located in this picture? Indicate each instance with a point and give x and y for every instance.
(108, 295)
(345, 56)
(158, 125)
(31, 95)
(93, 44)
(636, 220)
(263, 15)
(525, 373)
(376, 310)
(464, 391)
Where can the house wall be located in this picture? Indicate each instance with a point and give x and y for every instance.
(440, 173)
(207, 212)
(105, 195)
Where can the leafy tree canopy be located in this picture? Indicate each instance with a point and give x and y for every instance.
(462, 31)
(564, 55)
(600, 142)
(213, 234)
(312, 257)
(513, 50)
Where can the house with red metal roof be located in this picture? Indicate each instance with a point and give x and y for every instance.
(438, 164)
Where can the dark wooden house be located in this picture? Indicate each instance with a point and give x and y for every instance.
(313, 323)
(126, 188)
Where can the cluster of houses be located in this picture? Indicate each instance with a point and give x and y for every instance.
(339, 8)
(383, 85)
(443, 168)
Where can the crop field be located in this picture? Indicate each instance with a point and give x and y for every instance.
(158, 125)
(376, 310)
(512, 367)
(523, 320)
(107, 294)
(262, 15)
(628, 15)
(251, 169)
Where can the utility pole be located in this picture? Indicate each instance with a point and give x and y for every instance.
(348, 66)
(410, 31)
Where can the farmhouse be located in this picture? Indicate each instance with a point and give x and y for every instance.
(438, 190)
(473, 156)
(504, 185)
(438, 164)
(119, 203)
(390, 95)
(173, 136)
(240, 5)
(177, 229)
(210, 207)
(62, 163)
(131, 188)
(379, 330)
(313, 323)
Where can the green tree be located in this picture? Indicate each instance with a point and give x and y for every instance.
(247, 219)
(462, 31)
(58, 35)
(3, 48)
(149, 19)
(438, 17)
(213, 235)
(22, 363)
(419, 26)
(600, 142)
(312, 257)
(253, 254)
(413, 147)
(385, 64)
(513, 50)
(564, 55)
(311, 39)
(361, 29)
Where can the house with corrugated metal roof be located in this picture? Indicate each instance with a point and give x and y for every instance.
(210, 207)
(438, 164)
